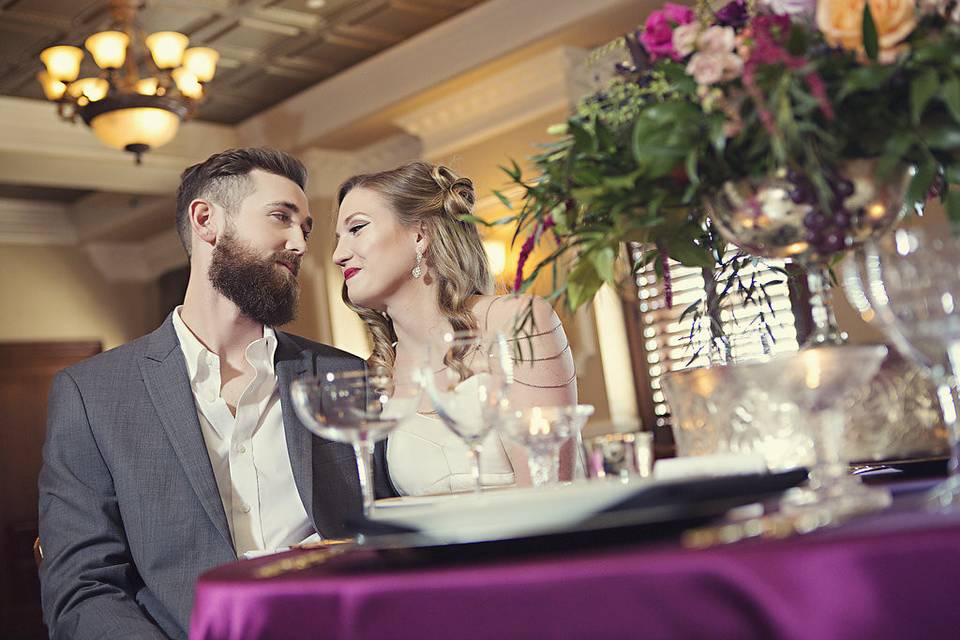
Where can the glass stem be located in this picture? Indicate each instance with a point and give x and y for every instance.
(363, 450)
(947, 393)
(544, 466)
(825, 329)
(831, 466)
(474, 453)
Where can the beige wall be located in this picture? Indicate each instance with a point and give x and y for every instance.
(55, 293)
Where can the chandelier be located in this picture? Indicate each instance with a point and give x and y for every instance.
(146, 85)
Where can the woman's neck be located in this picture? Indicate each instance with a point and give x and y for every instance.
(417, 321)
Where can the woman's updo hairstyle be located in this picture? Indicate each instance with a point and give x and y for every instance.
(435, 197)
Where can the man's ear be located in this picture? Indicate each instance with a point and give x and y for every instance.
(202, 220)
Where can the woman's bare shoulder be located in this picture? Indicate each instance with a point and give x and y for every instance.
(516, 313)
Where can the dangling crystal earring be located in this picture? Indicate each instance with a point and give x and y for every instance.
(418, 270)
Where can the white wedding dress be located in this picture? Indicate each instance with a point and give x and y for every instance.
(425, 457)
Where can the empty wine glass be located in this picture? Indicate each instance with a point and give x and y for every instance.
(913, 284)
(358, 408)
(542, 431)
(818, 380)
(467, 381)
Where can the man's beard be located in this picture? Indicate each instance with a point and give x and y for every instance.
(261, 288)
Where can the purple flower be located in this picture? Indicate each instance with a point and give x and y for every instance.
(657, 36)
(733, 14)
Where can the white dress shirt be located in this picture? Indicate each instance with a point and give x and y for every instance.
(248, 451)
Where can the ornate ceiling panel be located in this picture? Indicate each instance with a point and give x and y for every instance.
(270, 49)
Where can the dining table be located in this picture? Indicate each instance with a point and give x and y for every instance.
(889, 574)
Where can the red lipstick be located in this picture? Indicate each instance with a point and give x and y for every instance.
(349, 273)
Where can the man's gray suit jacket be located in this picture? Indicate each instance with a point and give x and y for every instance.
(130, 513)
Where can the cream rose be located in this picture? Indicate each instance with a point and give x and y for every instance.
(841, 22)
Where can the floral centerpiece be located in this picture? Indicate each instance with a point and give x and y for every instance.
(709, 97)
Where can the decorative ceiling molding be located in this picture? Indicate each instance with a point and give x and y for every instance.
(452, 48)
(521, 93)
(138, 261)
(35, 223)
(255, 38)
(328, 168)
(492, 205)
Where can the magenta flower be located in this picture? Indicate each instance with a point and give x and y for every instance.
(657, 36)
(527, 249)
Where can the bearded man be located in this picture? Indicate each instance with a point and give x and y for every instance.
(181, 450)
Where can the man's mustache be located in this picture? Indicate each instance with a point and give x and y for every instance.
(289, 258)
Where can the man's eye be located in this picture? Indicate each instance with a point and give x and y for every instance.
(283, 217)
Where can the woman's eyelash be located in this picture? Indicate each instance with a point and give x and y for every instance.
(357, 227)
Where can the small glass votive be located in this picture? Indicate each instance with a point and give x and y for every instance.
(619, 455)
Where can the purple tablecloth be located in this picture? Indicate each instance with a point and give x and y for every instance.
(893, 576)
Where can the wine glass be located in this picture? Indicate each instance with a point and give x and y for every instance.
(542, 431)
(467, 381)
(819, 380)
(913, 284)
(356, 407)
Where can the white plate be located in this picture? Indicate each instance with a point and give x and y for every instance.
(506, 513)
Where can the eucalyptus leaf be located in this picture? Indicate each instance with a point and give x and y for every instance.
(603, 260)
(920, 184)
(503, 199)
(952, 205)
(922, 89)
(950, 93)
(870, 41)
(582, 284)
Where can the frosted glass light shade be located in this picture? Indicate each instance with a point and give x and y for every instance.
(202, 62)
(52, 89)
(147, 86)
(93, 88)
(167, 48)
(128, 128)
(62, 62)
(187, 83)
(108, 48)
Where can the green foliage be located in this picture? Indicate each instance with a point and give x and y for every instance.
(635, 160)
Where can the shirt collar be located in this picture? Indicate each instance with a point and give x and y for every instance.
(260, 353)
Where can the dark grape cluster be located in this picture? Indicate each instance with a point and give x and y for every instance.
(825, 229)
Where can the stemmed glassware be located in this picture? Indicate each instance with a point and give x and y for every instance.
(467, 380)
(911, 279)
(819, 380)
(542, 431)
(358, 407)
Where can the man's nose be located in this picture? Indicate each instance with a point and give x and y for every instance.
(297, 241)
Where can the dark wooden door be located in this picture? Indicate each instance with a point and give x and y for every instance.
(26, 371)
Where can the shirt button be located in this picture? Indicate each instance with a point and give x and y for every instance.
(241, 449)
(245, 508)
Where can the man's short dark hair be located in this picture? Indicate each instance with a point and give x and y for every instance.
(224, 178)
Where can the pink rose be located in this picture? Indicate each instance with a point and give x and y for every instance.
(716, 40)
(705, 68)
(657, 36)
(711, 68)
(685, 39)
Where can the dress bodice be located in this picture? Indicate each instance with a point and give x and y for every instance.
(425, 457)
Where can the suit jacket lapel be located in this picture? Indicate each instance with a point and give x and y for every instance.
(165, 375)
(291, 363)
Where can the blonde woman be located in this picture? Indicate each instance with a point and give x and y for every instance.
(414, 270)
